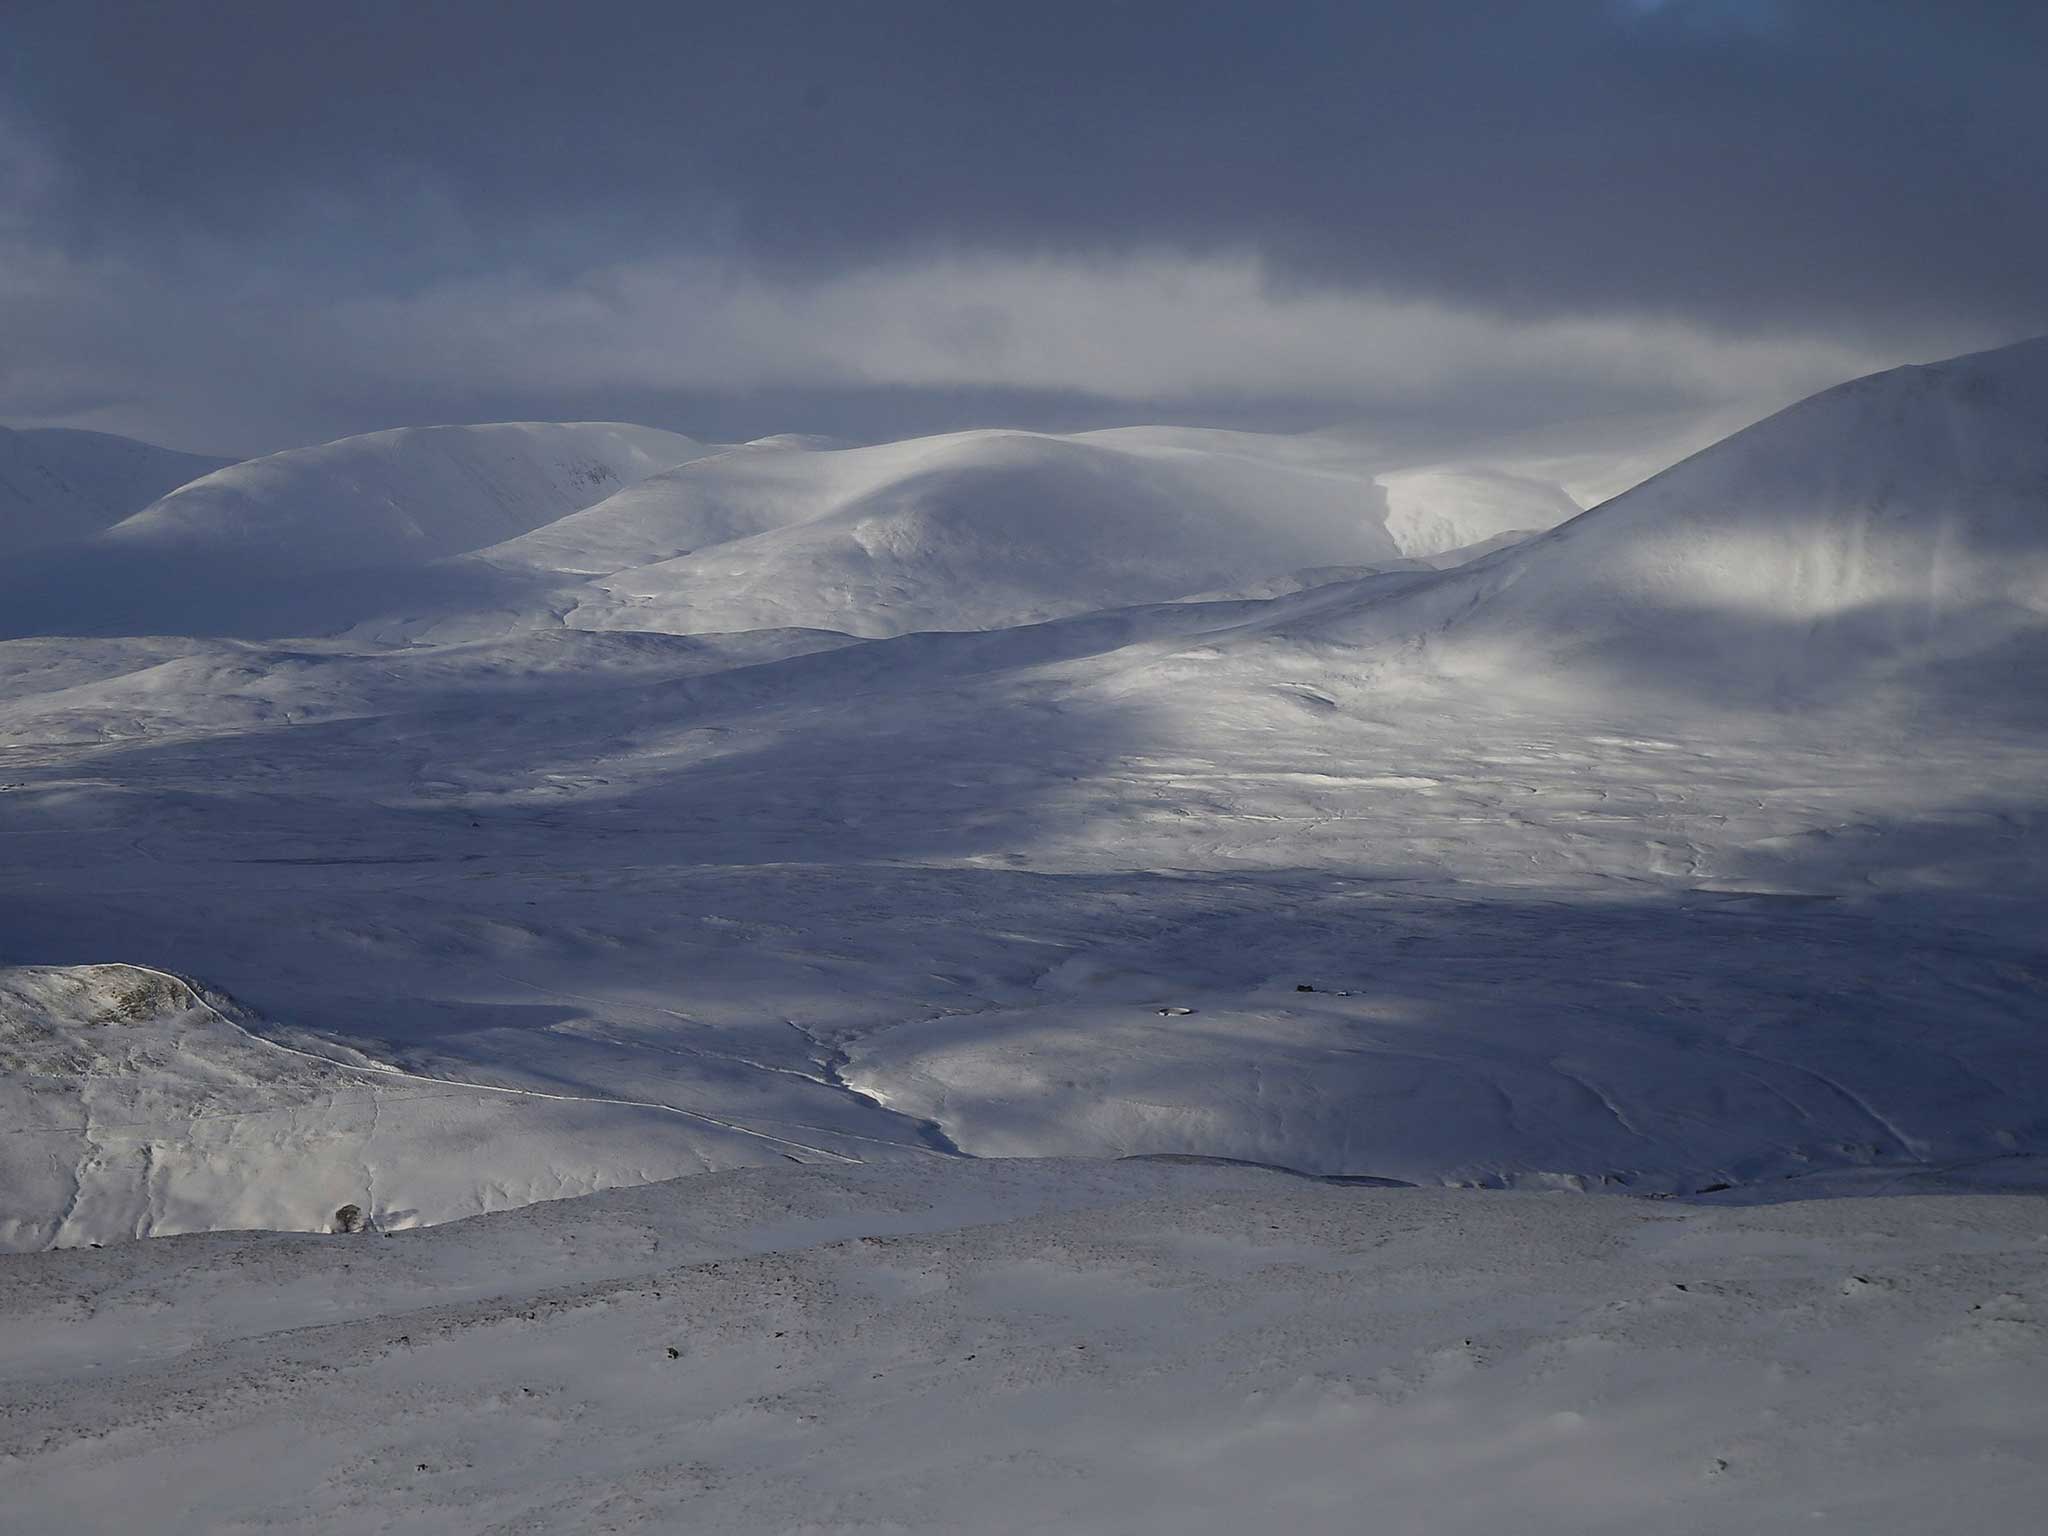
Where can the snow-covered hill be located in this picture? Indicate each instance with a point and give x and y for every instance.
(982, 529)
(1434, 511)
(135, 1106)
(59, 486)
(1596, 459)
(399, 497)
(1888, 525)
(472, 532)
(1028, 1347)
(1054, 888)
(310, 540)
(995, 528)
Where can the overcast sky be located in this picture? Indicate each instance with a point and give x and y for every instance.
(236, 227)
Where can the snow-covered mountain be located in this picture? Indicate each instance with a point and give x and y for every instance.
(464, 532)
(1596, 459)
(855, 886)
(1285, 806)
(400, 497)
(967, 532)
(1433, 511)
(310, 540)
(982, 529)
(59, 486)
(1890, 524)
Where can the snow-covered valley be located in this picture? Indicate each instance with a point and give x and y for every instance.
(577, 820)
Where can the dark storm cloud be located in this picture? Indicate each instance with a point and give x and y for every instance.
(1852, 168)
(1729, 158)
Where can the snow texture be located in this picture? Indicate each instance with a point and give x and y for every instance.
(918, 811)
(981, 530)
(1021, 1347)
(302, 541)
(794, 894)
(415, 493)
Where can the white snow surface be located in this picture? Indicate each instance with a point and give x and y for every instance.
(136, 1106)
(1024, 1347)
(1578, 908)
(61, 486)
(1894, 522)
(1596, 460)
(312, 540)
(1433, 511)
(411, 494)
(1690, 849)
(979, 530)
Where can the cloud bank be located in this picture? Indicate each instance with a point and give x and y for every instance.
(238, 227)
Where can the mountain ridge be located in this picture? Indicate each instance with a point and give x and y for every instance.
(61, 485)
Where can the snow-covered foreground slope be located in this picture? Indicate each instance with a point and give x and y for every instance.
(982, 529)
(59, 486)
(1029, 1347)
(136, 1107)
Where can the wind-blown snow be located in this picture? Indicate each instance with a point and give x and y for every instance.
(1891, 523)
(1435, 511)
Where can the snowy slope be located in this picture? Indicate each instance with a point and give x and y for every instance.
(1433, 511)
(982, 529)
(963, 532)
(951, 891)
(610, 527)
(59, 486)
(1030, 1347)
(1596, 460)
(402, 496)
(1890, 523)
(137, 1107)
(309, 541)
(1430, 506)
(937, 890)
